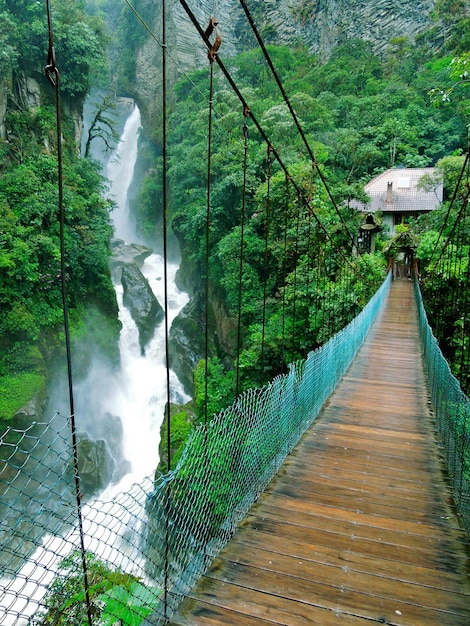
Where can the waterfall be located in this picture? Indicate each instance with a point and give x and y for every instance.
(141, 395)
(137, 394)
(119, 172)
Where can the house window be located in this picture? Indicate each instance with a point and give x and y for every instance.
(364, 241)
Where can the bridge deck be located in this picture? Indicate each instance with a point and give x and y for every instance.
(358, 525)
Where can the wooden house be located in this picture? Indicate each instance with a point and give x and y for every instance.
(395, 196)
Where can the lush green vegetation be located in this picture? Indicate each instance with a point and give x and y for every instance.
(361, 114)
(113, 594)
(30, 285)
(78, 42)
(444, 249)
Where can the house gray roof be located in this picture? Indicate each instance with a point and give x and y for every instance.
(396, 191)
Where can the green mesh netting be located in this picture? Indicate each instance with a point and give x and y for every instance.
(452, 410)
(145, 549)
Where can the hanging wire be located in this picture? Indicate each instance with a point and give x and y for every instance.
(284, 273)
(246, 113)
(463, 364)
(212, 25)
(294, 116)
(266, 250)
(53, 76)
(309, 268)
(296, 257)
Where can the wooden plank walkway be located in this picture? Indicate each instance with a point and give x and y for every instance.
(358, 526)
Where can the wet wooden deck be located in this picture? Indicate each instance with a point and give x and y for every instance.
(357, 528)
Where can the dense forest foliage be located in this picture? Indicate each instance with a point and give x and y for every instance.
(361, 114)
(278, 260)
(31, 317)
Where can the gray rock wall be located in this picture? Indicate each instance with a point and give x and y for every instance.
(328, 23)
(319, 24)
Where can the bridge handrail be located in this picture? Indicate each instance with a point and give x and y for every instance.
(146, 547)
(194, 510)
(452, 412)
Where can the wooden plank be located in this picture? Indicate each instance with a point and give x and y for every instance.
(395, 570)
(343, 578)
(324, 596)
(283, 508)
(358, 526)
(437, 556)
(245, 604)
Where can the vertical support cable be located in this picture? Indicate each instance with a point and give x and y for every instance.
(246, 113)
(53, 76)
(266, 246)
(464, 366)
(165, 304)
(284, 276)
(296, 259)
(208, 226)
(309, 268)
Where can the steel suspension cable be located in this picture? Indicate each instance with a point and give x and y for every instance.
(447, 259)
(208, 226)
(257, 125)
(165, 298)
(53, 75)
(266, 250)
(446, 219)
(293, 114)
(246, 114)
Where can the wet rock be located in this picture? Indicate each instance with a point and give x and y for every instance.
(110, 428)
(186, 344)
(95, 464)
(125, 254)
(100, 450)
(141, 302)
(31, 412)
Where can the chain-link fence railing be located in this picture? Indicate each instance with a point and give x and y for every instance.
(142, 551)
(452, 410)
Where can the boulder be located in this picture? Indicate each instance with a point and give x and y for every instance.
(95, 464)
(32, 411)
(141, 302)
(110, 428)
(125, 254)
(186, 344)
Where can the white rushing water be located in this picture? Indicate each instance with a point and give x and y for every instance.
(137, 394)
(119, 172)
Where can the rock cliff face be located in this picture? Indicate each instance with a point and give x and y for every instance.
(320, 24)
(323, 24)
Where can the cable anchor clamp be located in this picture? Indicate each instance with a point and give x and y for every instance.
(51, 70)
(211, 55)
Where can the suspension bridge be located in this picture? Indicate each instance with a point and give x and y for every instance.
(366, 521)
(358, 526)
(336, 492)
